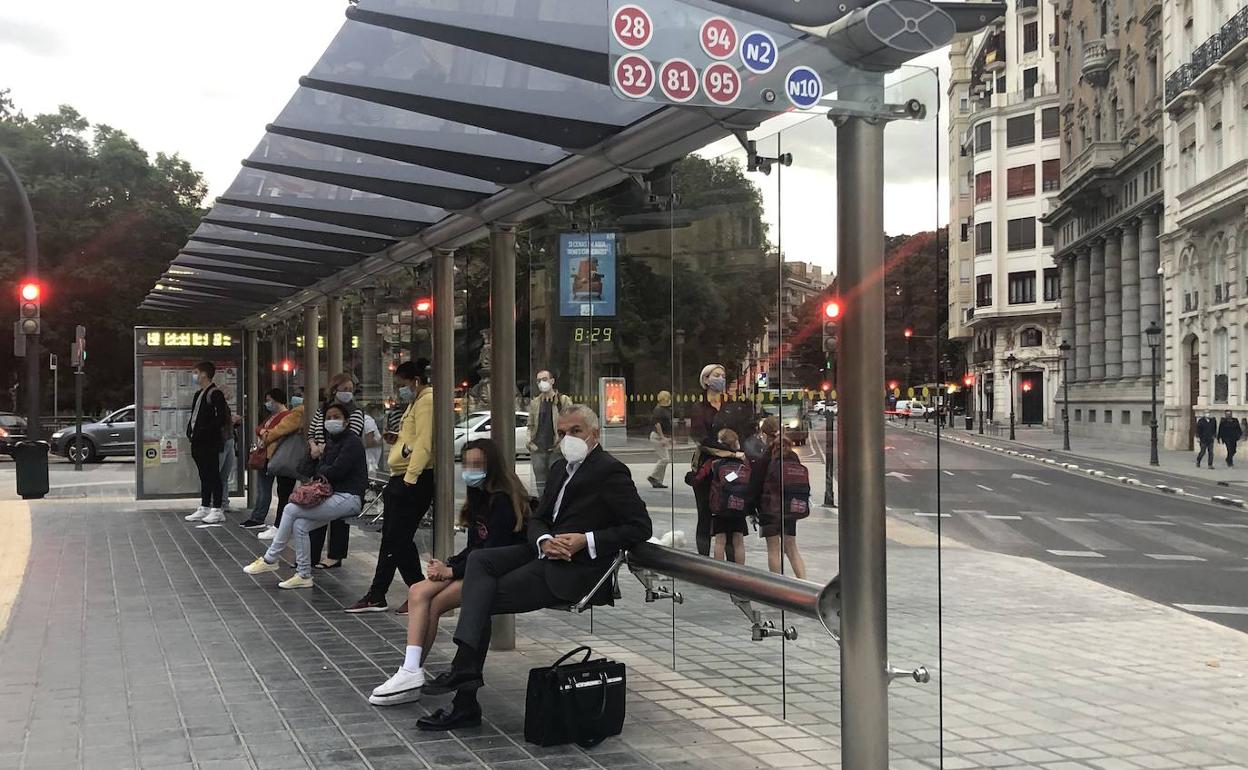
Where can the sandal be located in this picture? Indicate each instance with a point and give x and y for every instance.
(323, 565)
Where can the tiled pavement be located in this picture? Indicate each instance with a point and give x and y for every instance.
(137, 641)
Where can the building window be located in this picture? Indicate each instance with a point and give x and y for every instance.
(1187, 157)
(1052, 284)
(1091, 415)
(1104, 18)
(966, 231)
(1031, 37)
(1217, 271)
(1021, 234)
(983, 186)
(1109, 416)
(1126, 417)
(983, 137)
(1050, 123)
(1022, 288)
(1030, 76)
(1020, 181)
(1146, 417)
(1020, 131)
(1046, 235)
(1215, 138)
(1221, 366)
(1078, 415)
(983, 238)
(1001, 84)
(1031, 338)
(983, 291)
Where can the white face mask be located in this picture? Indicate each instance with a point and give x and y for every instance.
(574, 449)
(544, 385)
(334, 427)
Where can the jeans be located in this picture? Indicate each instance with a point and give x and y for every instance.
(541, 460)
(208, 463)
(405, 507)
(264, 497)
(228, 461)
(298, 522)
(1206, 447)
(1230, 453)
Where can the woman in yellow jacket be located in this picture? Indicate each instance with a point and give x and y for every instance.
(284, 420)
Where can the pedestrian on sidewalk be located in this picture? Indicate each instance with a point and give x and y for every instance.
(495, 513)
(207, 429)
(661, 438)
(340, 461)
(1229, 433)
(282, 422)
(544, 411)
(342, 393)
(1206, 433)
(409, 493)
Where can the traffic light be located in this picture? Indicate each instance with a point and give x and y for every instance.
(831, 316)
(908, 333)
(969, 380)
(78, 349)
(423, 307)
(28, 313)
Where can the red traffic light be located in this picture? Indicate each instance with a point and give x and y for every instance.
(827, 386)
(909, 333)
(1026, 387)
(832, 309)
(286, 367)
(424, 305)
(892, 385)
(30, 291)
(968, 380)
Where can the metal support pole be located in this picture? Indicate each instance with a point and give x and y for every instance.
(860, 268)
(370, 353)
(979, 380)
(34, 351)
(311, 361)
(1065, 406)
(1011, 403)
(1153, 459)
(443, 404)
(253, 402)
(78, 375)
(333, 336)
(503, 375)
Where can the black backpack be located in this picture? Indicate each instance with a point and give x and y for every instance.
(730, 486)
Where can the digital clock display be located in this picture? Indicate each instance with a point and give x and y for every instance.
(187, 338)
(593, 334)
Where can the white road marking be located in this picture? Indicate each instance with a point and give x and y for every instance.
(1078, 554)
(1032, 479)
(1213, 609)
(932, 515)
(1080, 521)
(968, 510)
(1004, 517)
(948, 473)
(1154, 523)
(1226, 526)
(1173, 557)
(986, 489)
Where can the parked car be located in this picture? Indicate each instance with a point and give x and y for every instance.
(478, 426)
(112, 436)
(12, 430)
(823, 407)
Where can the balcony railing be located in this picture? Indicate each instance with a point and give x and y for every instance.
(1230, 38)
(1207, 54)
(1179, 81)
(1235, 31)
(1098, 55)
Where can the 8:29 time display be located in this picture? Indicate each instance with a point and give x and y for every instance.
(591, 335)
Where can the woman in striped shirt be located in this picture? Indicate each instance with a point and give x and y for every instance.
(342, 392)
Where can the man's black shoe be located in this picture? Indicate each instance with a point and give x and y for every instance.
(453, 681)
(252, 524)
(449, 719)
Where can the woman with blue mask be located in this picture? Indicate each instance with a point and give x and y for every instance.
(495, 512)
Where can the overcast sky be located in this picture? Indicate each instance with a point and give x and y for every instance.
(203, 78)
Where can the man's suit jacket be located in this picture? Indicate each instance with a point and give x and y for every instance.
(601, 498)
(212, 421)
(1206, 429)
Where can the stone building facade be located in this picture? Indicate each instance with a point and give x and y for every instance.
(1106, 219)
(1004, 154)
(1204, 242)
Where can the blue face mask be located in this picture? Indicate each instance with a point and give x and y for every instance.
(270, 405)
(296, 400)
(406, 394)
(473, 478)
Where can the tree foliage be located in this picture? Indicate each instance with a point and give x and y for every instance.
(110, 218)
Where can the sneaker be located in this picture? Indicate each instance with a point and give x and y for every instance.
(269, 533)
(402, 610)
(215, 516)
(367, 605)
(259, 567)
(295, 581)
(253, 524)
(198, 515)
(404, 687)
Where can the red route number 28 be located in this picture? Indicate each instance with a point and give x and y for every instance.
(632, 27)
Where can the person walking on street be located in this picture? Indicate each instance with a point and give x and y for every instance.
(1206, 433)
(209, 425)
(1229, 433)
(661, 438)
(409, 493)
(544, 411)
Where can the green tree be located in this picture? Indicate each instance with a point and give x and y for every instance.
(110, 218)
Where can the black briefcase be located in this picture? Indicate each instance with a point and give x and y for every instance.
(581, 703)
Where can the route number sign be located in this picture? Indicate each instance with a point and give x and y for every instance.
(634, 75)
(632, 27)
(804, 87)
(759, 53)
(722, 83)
(679, 80)
(719, 38)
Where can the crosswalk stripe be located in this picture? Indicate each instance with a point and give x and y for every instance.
(969, 510)
(1226, 526)
(1004, 517)
(1213, 609)
(1173, 557)
(1153, 523)
(1085, 536)
(1078, 554)
(1081, 521)
(932, 515)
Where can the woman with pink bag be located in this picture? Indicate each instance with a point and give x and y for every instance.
(336, 491)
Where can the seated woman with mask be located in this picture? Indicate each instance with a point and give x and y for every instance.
(495, 513)
(341, 462)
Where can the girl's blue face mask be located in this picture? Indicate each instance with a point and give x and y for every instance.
(473, 478)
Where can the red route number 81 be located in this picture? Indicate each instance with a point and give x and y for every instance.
(632, 27)
(679, 80)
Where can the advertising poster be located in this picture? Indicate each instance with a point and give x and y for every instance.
(587, 280)
(151, 454)
(614, 402)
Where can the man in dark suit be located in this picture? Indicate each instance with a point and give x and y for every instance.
(1206, 432)
(589, 512)
(209, 425)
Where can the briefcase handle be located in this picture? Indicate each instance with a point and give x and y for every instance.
(584, 648)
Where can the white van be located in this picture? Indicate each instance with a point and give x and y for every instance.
(912, 408)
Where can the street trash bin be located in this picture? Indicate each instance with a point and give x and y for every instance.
(970, 422)
(32, 469)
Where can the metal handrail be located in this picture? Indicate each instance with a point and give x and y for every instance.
(803, 597)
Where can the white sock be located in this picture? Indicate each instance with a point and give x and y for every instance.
(411, 661)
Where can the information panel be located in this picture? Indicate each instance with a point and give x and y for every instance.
(164, 386)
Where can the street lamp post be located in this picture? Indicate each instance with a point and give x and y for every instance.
(1065, 350)
(1010, 362)
(1153, 332)
(980, 399)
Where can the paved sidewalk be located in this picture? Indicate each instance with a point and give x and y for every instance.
(136, 641)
